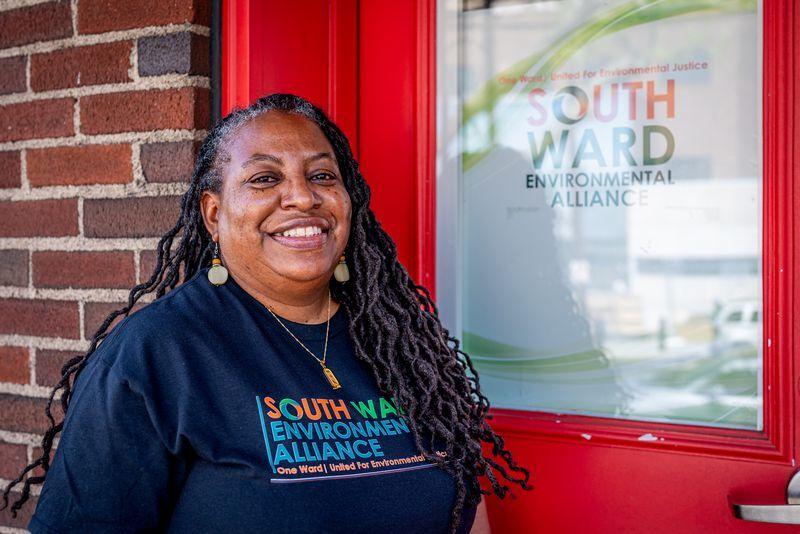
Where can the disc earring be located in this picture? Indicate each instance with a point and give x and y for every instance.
(217, 274)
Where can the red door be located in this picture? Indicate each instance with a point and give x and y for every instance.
(373, 65)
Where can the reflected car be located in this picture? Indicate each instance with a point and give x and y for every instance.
(738, 322)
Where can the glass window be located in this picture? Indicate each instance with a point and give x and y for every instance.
(599, 205)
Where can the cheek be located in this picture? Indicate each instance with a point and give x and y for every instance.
(346, 214)
(338, 203)
(348, 223)
(251, 215)
(345, 204)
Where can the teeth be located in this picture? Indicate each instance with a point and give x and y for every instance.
(302, 231)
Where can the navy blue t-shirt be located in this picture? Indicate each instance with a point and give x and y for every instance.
(200, 413)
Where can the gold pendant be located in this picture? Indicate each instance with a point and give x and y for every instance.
(331, 377)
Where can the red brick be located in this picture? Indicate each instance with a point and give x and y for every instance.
(201, 55)
(179, 53)
(13, 459)
(36, 453)
(80, 165)
(89, 269)
(26, 414)
(39, 218)
(41, 22)
(96, 16)
(49, 364)
(83, 65)
(130, 217)
(47, 318)
(14, 267)
(168, 162)
(142, 111)
(95, 314)
(147, 264)
(13, 78)
(14, 365)
(37, 119)
(23, 515)
(10, 169)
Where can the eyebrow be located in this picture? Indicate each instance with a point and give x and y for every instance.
(275, 159)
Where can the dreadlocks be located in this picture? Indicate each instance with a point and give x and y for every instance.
(394, 323)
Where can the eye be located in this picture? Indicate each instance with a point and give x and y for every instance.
(325, 176)
(263, 178)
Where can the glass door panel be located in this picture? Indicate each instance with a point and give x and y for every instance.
(599, 228)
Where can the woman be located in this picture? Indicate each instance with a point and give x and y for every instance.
(261, 395)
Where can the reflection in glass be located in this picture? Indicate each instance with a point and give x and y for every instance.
(605, 205)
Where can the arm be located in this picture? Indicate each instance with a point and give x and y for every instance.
(481, 524)
(111, 471)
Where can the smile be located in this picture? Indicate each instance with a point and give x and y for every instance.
(302, 237)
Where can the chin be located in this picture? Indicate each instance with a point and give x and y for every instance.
(301, 272)
(303, 276)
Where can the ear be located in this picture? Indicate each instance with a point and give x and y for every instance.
(209, 208)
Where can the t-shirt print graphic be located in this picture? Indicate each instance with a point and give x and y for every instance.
(311, 439)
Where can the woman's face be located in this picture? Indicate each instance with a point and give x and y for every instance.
(283, 212)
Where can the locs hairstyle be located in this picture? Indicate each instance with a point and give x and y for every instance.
(394, 323)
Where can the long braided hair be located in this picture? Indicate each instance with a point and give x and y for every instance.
(394, 323)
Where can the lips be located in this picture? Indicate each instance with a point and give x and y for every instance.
(302, 242)
(302, 222)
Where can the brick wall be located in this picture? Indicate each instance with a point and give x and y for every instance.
(102, 103)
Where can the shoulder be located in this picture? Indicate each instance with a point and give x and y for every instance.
(161, 330)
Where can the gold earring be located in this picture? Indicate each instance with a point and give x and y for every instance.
(342, 272)
(217, 274)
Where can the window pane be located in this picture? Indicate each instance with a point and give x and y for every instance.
(599, 205)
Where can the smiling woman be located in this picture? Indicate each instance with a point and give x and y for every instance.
(283, 216)
(183, 418)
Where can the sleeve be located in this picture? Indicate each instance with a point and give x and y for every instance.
(111, 472)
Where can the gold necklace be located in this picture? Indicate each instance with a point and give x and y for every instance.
(327, 372)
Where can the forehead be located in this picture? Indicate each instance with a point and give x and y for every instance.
(277, 133)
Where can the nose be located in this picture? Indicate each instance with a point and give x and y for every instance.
(299, 194)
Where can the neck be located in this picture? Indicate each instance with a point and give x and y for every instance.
(301, 303)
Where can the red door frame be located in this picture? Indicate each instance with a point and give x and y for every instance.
(327, 42)
(382, 91)
(781, 144)
(320, 60)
